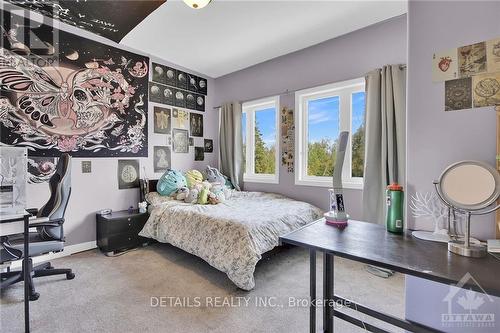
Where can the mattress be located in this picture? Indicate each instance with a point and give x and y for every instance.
(230, 236)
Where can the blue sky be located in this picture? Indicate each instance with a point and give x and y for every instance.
(323, 119)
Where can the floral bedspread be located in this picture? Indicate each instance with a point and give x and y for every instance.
(230, 236)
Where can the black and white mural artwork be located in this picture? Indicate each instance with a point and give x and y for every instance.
(65, 93)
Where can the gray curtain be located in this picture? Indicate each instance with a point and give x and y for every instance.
(231, 143)
(385, 137)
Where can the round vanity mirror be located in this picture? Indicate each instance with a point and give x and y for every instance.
(470, 185)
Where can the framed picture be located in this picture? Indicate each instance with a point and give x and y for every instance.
(200, 103)
(202, 85)
(180, 140)
(486, 89)
(179, 98)
(170, 76)
(199, 153)
(445, 65)
(209, 145)
(190, 101)
(182, 80)
(458, 94)
(192, 83)
(196, 124)
(128, 174)
(472, 59)
(159, 73)
(191, 142)
(167, 95)
(180, 118)
(163, 120)
(155, 92)
(161, 158)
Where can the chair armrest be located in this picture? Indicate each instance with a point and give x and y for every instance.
(32, 211)
(45, 222)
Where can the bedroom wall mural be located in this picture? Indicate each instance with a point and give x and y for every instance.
(70, 95)
(110, 19)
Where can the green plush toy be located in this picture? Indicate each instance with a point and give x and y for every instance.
(203, 196)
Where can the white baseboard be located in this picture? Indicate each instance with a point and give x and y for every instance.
(68, 250)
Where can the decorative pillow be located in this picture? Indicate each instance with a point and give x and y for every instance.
(170, 181)
(193, 177)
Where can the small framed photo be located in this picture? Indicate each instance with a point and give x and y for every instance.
(191, 142)
(168, 95)
(196, 124)
(170, 76)
(199, 153)
(180, 140)
(190, 101)
(180, 98)
(200, 103)
(182, 80)
(209, 145)
(162, 120)
(202, 85)
(159, 73)
(161, 158)
(128, 174)
(192, 83)
(155, 92)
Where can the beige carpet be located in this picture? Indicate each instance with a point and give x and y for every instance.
(114, 294)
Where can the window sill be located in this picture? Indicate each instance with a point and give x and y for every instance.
(328, 184)
(262, 179)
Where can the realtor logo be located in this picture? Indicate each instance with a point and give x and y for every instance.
(464, 306)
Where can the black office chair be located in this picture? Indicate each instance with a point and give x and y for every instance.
(49, 235)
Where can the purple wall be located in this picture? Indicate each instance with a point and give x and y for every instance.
(437, 138)
(346, 57)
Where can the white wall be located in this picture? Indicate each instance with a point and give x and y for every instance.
(99, 189)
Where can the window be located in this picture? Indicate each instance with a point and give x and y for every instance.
(260, 140)
(321, 114)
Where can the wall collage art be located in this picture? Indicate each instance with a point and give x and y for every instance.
(287, 138)
(471, 74)
(182, 93)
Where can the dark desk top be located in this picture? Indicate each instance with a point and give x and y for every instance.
(372, 244)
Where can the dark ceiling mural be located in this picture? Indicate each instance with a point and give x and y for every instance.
(111, 19)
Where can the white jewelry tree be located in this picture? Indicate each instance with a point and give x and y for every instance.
(428, 205)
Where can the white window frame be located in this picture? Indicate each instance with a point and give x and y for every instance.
(249, 109)
(344, 90)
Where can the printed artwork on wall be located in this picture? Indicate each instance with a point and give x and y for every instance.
(196, 124)
(191, 142)
(179, 79)
(162, 120)
(445, 65)
(478, 84)
(161, 158)
(181, 140)
(180, 118)
(128, 174)
(169, 140)
(486, 89)
(40, 169)
(458, 94)
(287, 138)
(72, 95)
(110, 19)
(199, 153)
(163, 94)
(209, 145)
(472, 59)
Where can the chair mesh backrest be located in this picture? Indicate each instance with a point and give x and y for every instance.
(60, 191)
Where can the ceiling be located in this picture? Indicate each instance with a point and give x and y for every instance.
(230, 35)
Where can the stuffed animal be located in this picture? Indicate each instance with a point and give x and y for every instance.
(181, 193)
(193, 177)
(214, 176)
(170, 182)
(212, 199)
(192, 196)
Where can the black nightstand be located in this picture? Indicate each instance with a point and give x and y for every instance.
(119, 230)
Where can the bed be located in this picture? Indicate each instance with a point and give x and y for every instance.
(230, 236)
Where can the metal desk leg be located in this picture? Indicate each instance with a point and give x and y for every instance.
(26, 273)
(312, 290)
(328, 296)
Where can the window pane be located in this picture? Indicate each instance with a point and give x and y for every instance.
(358, 133)
(244, 134)
(265, 141)
(323, 123)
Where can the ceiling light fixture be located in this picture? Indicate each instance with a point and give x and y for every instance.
(197, 4)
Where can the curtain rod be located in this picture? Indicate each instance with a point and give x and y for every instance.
(287, 92)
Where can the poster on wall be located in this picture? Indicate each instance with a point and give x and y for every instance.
(445, 65)
(486, 89)
(71, 95)
(40, 169)
(180, 140)
(196, 124)
(180, 118)
(162, 120)
(472, 59)
(287, 138)
(128, 174)
(458, 94)
(199, 153)
(161, 158)
(209, 145)
(110, 19)
(493, 55)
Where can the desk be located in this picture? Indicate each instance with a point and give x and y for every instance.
(372, 244)
(10, 224)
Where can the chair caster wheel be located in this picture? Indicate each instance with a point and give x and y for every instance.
(70, 276)
(34, 296)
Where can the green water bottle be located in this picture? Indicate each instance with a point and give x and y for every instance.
(395, 203)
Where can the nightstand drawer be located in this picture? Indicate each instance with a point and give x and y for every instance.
(125, 225)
